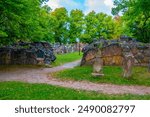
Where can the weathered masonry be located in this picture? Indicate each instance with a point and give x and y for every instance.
(27, 53)
(113, 51)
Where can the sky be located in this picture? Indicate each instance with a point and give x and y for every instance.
(85, 5)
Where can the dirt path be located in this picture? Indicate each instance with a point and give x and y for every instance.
(39, 75)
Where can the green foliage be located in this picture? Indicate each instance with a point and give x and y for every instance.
(20, 20)
(100, 25)
(106, 26)
(26, 91)
(90, 27)
(29, 20)
(60, 29)
(136, 16)
(113, 75)
(76, 23)
(3, 34)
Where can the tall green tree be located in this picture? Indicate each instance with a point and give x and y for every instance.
(61, 24)
(19, 20)
(100, 25)
(136, 14)
(90, 27)
(76, 22)
(47, 25)
(119, 27)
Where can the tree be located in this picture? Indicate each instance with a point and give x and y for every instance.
(100, 25)
(19, 20)
(90, 30)
(136, 14)
(60, 30)
(46, 24)
(76, 22)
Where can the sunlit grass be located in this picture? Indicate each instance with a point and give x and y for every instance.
(26, 91)
(113, 75)
(68, 57)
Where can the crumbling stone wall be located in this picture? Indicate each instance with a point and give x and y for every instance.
(113, 51)
(67, 48)
(27, 53)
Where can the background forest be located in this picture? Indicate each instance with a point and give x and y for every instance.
(32, 20)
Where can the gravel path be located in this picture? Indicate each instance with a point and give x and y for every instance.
(39, 75)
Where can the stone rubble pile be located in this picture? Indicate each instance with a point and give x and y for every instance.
(126, 52)
(66, 48)
(27, 53)
(114, 50)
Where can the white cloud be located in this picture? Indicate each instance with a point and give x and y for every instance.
(92, 5)
(109, 3)
(69, 4)
(98, 6)
(54, 4)
(87, 6)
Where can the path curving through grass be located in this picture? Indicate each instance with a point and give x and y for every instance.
(40, 75)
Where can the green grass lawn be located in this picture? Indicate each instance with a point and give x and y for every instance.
(26, 91)
(68, 57)
(113, 75)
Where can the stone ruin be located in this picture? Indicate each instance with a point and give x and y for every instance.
(67, 48)
(27, 53)
(62, 48)
(125, 52)
(98, 64)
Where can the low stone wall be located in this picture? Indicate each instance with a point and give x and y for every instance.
(113, 51)
(67, 48)
(27, 53)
